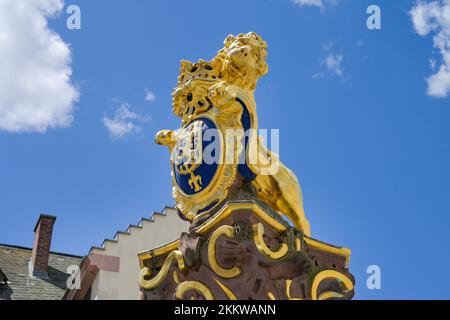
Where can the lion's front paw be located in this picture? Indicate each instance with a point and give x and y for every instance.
(219, 95)
(165, 138)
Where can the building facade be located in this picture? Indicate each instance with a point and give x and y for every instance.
(110, 272)
(35, 273)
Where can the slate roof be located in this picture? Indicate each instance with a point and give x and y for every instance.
(3, 278)
(20, 286)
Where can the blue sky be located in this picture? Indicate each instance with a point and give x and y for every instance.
(368, 140)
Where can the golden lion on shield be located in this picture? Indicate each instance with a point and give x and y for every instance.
(227, 84)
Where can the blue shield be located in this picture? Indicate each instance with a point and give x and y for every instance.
(191, 173)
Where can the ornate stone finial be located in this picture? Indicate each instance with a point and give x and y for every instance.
(237, 195)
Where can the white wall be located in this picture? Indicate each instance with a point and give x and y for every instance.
(123, 285)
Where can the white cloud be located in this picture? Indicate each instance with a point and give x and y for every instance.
(432, 62)
(334, 64)
(327, 46)
(36, 92)
(149, 96)
(434, 17)
(318, 75)
(331, 63)
(314, 3)
(123, 122)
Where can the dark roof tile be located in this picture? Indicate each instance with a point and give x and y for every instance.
(14, 263)
(3, 278)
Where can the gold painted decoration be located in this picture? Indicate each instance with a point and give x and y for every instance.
(259, 212)
(345, 282)
(219, 95)
(162, 274)
(227, 231)
(298, 244)
(271, 296)
(231, 207)
(198, 286)
(288, 290)
(200, 268)
(156, 252)
(227, 183)
(258, 233)
(226, 290)
(345, 252)
(188, 154)
(200, 183)
(176, 278)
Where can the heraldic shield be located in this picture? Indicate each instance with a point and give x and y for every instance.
(201, 173)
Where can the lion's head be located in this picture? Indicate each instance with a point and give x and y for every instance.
(243, 60)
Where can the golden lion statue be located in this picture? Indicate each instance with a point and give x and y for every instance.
(226, 84)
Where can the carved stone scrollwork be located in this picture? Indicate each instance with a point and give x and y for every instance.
(187, 286)
(271, 261)
(227, 231)
(162, 274)
(258, 233)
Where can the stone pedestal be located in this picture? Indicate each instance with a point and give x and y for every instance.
(247, 252)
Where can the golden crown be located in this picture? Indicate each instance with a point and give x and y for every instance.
(189, 97)
(201, 70)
